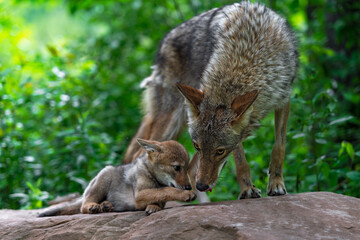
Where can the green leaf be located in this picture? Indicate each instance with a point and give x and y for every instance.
(350, 151)
(325, 169)
(32, 188)
(343, 146)
(353, 175)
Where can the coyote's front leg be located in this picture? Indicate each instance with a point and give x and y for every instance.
(156, 196)
(276, 182)
(248, 190)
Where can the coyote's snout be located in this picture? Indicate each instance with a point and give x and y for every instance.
(232, 65)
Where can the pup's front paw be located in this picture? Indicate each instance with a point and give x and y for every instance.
(152, 208)
(276, 186)
(250, 192)
(94, 208)
(187, 196)
(107, 207)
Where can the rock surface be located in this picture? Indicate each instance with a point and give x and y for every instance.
(316, 215)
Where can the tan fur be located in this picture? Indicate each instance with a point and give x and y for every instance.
(158, 176)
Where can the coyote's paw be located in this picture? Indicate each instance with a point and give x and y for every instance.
(94, 208)
(250, 192)
(187, 196)
(276, 187)
(106, 206)
(152, 208)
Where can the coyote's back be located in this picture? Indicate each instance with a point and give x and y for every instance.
(233, 65)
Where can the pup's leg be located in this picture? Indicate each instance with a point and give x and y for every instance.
(151, 208)
(146, 197)
(276, 182)
(96, 192)
(248, 190)
(91, 208)
(106, 207)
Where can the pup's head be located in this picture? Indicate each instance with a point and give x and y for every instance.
(169, 162)
(216, 127)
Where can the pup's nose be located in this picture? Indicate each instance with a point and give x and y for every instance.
(188, 187)
(202, 187)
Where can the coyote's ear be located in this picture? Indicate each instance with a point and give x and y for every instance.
(193, 96)
(151, 146)
(241, 104)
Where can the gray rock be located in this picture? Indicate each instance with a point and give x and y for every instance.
(316, 215)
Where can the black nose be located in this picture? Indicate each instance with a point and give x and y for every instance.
(202, 187)
(188, 187)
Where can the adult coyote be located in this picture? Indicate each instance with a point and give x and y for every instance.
(233, 65)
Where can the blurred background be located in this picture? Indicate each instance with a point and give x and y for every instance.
(70, 96)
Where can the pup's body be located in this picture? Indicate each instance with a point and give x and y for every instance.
(233, 65)
(147, 184)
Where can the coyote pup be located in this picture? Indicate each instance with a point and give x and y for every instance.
(233, 65)
(147, 184)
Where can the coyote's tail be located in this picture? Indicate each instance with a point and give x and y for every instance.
(67, 208)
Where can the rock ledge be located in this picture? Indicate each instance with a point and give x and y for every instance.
(315, 215)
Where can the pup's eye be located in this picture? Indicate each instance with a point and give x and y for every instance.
(196, 146)
(220, 152)
(177, 168)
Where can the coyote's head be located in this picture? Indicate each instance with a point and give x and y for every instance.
(216, 128)
(168, 161)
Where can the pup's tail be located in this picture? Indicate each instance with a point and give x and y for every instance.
(67, 208)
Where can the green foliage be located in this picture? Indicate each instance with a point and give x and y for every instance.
(70, 96)
(35, 197)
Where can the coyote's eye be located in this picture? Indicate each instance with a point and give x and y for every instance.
(220, 152)
(196, 146)
(177, 168)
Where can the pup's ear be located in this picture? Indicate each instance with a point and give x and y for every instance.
(150, 146)
(240, 105)
(193, 97)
